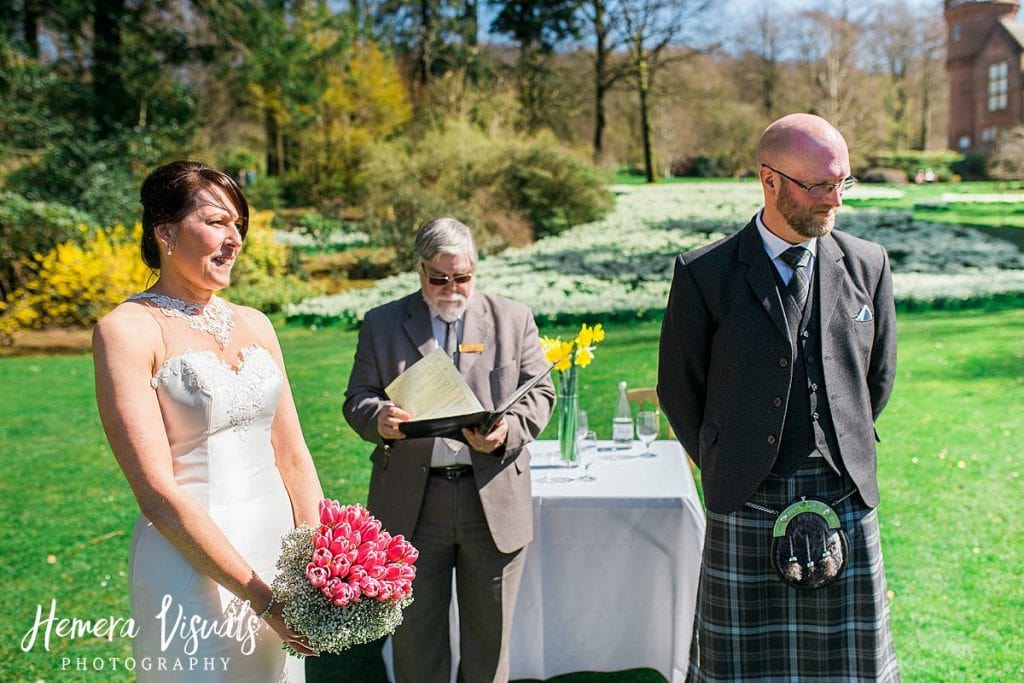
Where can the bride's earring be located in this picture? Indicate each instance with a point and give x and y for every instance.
(170, 249)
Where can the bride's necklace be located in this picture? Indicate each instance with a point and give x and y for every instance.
(215, 318)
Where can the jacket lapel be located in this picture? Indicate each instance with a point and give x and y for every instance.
(832, 274)
(478, 328)
(761, 276)
(417, 326)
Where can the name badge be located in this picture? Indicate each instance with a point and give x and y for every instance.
(471, 348)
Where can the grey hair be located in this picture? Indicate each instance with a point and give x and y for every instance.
(445, 235)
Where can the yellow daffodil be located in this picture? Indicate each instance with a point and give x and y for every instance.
(585, 337)
(598, 333)
(563, 360)
(549, 343)
(583, 356)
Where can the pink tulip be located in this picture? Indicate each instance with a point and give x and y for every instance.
(369, 587)
(370, 529)
(322, 539)
(329, 511)
(322, 557)
(340, 566)
(318, 576)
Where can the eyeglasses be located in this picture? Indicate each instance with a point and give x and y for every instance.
(818, 190)
(442, 280)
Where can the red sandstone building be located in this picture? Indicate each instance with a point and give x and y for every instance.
(985, 63)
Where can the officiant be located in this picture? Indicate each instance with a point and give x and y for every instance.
(464, 503)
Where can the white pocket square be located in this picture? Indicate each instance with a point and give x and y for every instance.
(864, 315)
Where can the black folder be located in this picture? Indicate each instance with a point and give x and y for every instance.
(451, 426)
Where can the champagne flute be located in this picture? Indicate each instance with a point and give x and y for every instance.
(647, 430)
(586, 449)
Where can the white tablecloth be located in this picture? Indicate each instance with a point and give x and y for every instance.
(611, 576)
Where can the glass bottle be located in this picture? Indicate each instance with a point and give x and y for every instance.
(622, 423)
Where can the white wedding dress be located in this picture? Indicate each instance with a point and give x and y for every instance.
(218, 424)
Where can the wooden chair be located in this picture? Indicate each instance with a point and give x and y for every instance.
(649, 395)
(644, 395)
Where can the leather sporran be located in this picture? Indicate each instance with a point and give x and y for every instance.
(809, 547)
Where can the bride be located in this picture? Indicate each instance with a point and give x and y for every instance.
(196, 405)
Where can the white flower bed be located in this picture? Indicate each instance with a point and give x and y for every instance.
(622, 266)
(337, 239)
(863, 191)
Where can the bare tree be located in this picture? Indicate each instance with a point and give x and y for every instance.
(830, 43)
(894, 34)
(607, 73)
(653, 31)
(932, 75)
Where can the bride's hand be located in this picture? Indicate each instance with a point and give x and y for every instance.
(295, 640)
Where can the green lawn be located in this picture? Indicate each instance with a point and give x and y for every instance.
(951, 459)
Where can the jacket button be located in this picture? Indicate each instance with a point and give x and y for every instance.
(815, 416)
(777, 401)
(771, 438)
(783, 362)
(810, 360)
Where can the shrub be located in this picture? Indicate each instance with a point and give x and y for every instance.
(971, 167)
(260, 278)
(1008, 161)
(264, 193)
(694, 167)
(77, 281)
(910, 161)
(895, 176)
(552, 189)
(498, 185)
(32, 227)
(101, 177)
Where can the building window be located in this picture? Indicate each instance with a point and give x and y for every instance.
(956, 32)
(964, 143)
(989, 134)
(998, 84)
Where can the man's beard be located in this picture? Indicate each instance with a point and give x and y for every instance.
(450, 307)
(805, 222)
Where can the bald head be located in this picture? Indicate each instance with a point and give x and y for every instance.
(803, 163)
(799, 136)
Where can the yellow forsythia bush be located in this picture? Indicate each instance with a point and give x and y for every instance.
(260, 253)
(76, 285)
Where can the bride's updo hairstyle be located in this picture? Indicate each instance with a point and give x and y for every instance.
(170, 193)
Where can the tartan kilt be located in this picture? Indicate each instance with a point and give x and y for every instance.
(750, 626)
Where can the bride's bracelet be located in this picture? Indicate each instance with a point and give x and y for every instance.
(266, 611)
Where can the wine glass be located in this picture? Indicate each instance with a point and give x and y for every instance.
(586, 449)
(647, 430)
(582, 427)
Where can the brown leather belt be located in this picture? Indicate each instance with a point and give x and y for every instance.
(452, 472)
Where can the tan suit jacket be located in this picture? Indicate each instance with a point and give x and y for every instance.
(396, 335)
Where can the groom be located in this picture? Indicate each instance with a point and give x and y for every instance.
(465, 507)
(778, 352)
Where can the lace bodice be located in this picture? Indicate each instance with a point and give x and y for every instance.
(236, 398)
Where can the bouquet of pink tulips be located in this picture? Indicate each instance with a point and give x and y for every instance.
(345, 582)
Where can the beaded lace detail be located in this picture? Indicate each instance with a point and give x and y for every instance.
(203, 371)
(215, 318)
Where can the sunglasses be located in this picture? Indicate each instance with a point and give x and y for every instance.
(442, 280)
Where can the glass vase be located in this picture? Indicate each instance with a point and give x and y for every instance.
(566, 406)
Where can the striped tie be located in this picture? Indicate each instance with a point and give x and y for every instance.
(797, 258)
(451, 343)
